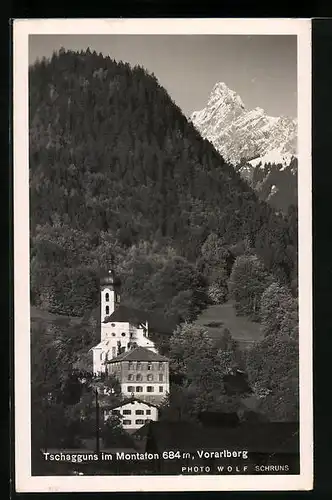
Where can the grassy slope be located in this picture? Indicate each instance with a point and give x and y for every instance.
(37, 314)
(242, 329)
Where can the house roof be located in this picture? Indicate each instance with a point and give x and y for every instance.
(218, 418)
(138, 354)
(142, 432)
(270, 437)
(157, 323)
(131, 400)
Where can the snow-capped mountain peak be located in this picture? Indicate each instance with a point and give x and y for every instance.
(224, 105)
(240, 134)
(262, 148)
(222, 91)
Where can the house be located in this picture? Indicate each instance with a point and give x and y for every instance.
(135, 413)
(142, 373)
(124, 327)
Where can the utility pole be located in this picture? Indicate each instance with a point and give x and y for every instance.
(47, 412)
(46, 429)
(97, 423)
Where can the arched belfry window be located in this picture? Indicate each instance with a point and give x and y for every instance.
(107, 297)
(107, 310)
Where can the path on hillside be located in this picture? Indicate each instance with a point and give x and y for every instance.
(242, 329)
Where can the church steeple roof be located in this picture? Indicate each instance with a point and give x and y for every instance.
(110, 278)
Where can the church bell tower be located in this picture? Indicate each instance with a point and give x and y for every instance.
(109, 293)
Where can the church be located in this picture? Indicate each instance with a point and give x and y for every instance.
(127, 350)
(124, 328)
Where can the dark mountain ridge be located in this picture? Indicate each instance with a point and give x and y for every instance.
(111, 153)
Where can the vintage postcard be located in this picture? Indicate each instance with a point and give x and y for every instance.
(162, 255)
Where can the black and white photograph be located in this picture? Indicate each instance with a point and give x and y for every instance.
(162, 255)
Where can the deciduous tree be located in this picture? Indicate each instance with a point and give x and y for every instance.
(247, 282)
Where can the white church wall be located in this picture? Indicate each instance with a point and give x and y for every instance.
(124, 333)
(97, 360)
(140, 336)
(116, 331)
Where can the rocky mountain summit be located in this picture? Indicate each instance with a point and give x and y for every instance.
(250, 140)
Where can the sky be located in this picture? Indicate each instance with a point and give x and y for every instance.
(262, 69)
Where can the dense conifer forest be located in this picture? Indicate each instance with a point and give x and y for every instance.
(116, 169)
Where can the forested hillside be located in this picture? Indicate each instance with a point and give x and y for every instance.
(273, 182)
(115, 167)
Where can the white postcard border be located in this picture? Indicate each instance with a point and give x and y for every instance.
(23, 479)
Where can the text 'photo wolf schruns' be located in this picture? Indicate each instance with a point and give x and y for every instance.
(163, 254)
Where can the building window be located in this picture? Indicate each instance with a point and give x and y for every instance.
(113, 352)
(127, 412)
(139, 365)
(113, 325)
(149, 366)
(130, 388)
(150, 377)
(139, 388)
(115, 412)
(161, 377)
(161, 366)
(150, 388)
(161, 389)
(148, 412)
(107, 309)
(107, 297)
(139, 421)
(131, 365)
(130, 376)
(139, 412)
(123, 334)
(126, 422)
(139, 377)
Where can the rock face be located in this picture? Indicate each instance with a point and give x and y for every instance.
(240, 134)
(250, 140)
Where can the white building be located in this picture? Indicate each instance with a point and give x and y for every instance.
(134, 412)
(142, 373)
